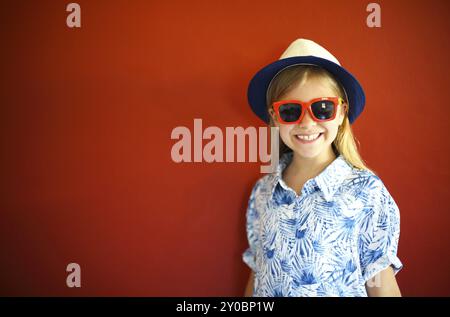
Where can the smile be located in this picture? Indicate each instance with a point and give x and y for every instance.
(305, 139)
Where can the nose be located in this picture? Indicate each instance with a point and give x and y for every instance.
(307, 121)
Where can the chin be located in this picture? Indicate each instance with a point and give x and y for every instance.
(307, 154)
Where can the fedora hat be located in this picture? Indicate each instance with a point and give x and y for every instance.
(304, 52)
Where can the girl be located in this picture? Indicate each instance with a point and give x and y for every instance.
(323, 224)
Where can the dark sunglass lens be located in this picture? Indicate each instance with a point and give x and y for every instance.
(290, 112)
(323, 110)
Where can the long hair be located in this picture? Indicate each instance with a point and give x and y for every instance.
(345, 142)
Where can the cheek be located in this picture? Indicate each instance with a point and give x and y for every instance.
(285, 131)
(331, 132)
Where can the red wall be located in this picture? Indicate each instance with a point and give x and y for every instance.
(86, 118)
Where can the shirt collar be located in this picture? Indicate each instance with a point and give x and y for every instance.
(328, 181)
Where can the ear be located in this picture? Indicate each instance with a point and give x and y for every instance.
(343, 110)
(273, 116)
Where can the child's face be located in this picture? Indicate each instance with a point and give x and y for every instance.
(288, 132)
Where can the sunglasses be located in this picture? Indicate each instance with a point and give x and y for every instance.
(320, 109)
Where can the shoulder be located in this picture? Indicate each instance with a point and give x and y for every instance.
(263, 185)
(368, 187)
(375, 196)
(261, 193)
(367, 182)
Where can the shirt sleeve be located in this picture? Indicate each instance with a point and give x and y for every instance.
(379, 232)
(252, 224)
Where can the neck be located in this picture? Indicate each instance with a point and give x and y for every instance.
(307, 168)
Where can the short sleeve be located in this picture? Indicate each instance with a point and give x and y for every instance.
(252, 223)
(379, 232)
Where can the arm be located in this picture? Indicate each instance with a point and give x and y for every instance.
(378, 242)
(252, 227)
(383, 284)
(249, 288)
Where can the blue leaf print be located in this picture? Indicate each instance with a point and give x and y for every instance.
(300, 234)
(343, 229)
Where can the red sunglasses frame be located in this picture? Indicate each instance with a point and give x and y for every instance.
(306, 106)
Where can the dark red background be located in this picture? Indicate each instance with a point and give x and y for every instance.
(86, 117)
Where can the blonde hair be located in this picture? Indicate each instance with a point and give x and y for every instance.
(345, 143)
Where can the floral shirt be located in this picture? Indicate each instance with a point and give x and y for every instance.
(330, 240)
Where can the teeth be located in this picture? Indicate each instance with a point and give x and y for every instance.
(308, 137)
